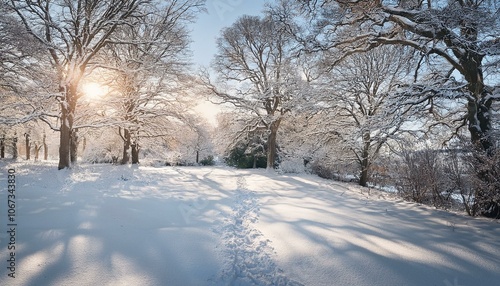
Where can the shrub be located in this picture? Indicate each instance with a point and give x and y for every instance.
(292, 165)
(422, 178)
(486, 178)
(239, 157)
(338, 170)
(208, 161)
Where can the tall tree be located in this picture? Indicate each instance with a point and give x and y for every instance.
(254, 56)
(461, 34)
(25, 83)
(73, 33)
(148, 74)
(361, 105)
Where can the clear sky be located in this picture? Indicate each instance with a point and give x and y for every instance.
(221, 13)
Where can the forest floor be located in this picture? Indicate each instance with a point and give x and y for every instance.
(122, 225)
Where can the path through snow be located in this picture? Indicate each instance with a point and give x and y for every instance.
(117, 225)
(249, 255)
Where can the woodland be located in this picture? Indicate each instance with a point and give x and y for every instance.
(401, 96)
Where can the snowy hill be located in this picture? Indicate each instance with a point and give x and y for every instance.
(117, 225)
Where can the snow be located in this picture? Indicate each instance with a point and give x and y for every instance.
(121, 225)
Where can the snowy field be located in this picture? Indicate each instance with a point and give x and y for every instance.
(117, 225)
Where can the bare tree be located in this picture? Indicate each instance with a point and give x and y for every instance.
(361, 102)
(73, 33)
(147, 74)
(254, 55)
(462, 34)
(25, 83)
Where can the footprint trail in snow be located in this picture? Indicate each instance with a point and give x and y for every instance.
(249, 255)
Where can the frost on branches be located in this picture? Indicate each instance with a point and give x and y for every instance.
(256, 74)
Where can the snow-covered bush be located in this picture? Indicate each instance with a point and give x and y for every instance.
(292, 165)
(334, 169)
(104, 147)
(422, 178)
(208, 161)
(487, 180)
(461, 181)
(475, 176)
(244, 156)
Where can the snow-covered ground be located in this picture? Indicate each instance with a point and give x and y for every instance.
(119, 225)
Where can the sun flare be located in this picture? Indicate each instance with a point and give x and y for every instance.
(94, 90)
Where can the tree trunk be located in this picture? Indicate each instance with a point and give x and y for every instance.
(37, 151)
(478, 109)
(45, 148)
(365, 160)
(68, 106)
(28, 146)
(271, 144)
(126, 147)
(84, 144)
(14, 148)
(480, 123)
(2, 148)
(64, 140)
(74, 146)
(135, 153)
(479, 120)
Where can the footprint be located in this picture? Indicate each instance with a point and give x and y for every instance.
(249, 255)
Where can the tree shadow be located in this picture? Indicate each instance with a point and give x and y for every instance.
(360, 239)
(117, 225)
(106, 225)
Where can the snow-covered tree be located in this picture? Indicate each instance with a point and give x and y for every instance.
(73, 33)
(463, 35)
(256, 73)
(25, 83)
(225, 131)
(147, 72)
(460, 36)
(361, 105)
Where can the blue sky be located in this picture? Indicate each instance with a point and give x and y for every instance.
(221, 13)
